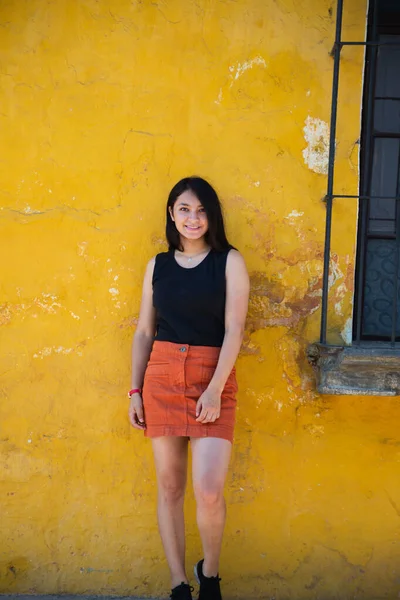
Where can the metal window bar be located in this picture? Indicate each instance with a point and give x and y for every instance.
(365, 182)
(331, 168)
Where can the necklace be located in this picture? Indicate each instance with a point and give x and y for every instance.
(190, 258)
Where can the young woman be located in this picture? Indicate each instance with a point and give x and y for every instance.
(189, 333)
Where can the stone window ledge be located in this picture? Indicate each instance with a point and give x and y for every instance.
(357, 370)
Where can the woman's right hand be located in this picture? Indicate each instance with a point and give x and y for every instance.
(136, 413)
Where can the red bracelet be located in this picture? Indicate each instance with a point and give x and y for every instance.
(134, 391)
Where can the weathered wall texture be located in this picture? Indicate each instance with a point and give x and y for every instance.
(104, 105)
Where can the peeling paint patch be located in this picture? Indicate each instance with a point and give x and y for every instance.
(339, 295)
(347, 331)
(219, 99)
(49, 350)
(5, 314)
(30, 211)
(315, 430)
(82, 246)
(338, 308)
(239, 68)
(129, 322)
(335, 272)
(113, 291)
(47, 303)
(294, 214)
(316, 134)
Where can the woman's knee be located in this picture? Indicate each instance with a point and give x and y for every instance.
(209, 492)
(171, 487)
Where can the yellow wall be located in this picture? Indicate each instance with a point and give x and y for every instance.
(103, 107)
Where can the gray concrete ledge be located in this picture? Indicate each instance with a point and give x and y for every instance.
(367, 370)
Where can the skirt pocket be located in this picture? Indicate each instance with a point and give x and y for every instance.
(208, 374)
(157, 368)
(156, 384)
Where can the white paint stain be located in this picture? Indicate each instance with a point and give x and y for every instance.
(30, 211)
(239, 68)
(347, 331)
(338, 308)
(49, 350)
(316, 134)
(256, 184)
(334, 273)
(74, 315)
(294, 214)
(82, 246)
(47, 302)
(114, 291)
(340, 294)
(219, 99)
(292, 218)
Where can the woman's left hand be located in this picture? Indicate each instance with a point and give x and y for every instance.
(208, 407)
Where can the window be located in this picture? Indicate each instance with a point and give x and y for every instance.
(371, 365)
(377, 315)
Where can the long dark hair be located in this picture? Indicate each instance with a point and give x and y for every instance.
(205, 193)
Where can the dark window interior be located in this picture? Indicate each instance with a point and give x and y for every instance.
(378, 255)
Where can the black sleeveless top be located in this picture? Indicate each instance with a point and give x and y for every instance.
(190, 303)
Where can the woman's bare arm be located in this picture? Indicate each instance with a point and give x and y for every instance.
(237, 298)
(141, 346)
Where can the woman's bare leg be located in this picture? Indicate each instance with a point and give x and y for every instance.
(171, 457)
(210, 464)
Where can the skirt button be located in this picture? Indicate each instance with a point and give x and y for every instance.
(183, 349)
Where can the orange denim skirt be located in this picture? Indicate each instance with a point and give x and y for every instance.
(175, 377)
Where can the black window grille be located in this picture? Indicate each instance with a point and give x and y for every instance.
(377, 289)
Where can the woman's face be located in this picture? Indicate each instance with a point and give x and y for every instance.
(189, 216)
